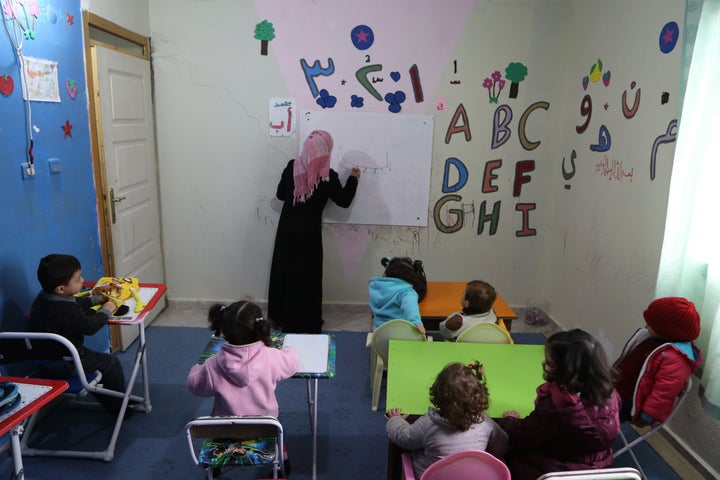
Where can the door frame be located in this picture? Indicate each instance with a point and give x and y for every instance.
(130, 43)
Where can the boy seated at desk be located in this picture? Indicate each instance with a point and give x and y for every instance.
(56, 309)
(477, 305)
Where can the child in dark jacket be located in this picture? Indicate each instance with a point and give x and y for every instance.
(575, 420)
(56, 309)
(657, 361)
(393, 296)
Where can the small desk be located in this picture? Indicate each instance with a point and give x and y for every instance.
(512, 372)
(443, 298)
(150, 294)
(306, 349)
(34, 394)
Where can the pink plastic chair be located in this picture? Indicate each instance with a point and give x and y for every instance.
(466, 464)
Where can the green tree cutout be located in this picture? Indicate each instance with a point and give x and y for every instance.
(264, 31)
(515, 72)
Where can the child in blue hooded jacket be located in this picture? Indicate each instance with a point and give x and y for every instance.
(393, 296)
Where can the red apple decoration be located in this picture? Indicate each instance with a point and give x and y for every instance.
(6, 85)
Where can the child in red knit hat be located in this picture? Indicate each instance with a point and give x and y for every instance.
(657, 361)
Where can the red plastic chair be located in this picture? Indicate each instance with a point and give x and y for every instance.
(463, 465)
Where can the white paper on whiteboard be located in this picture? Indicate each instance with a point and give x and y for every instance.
(312, 350)
(394, 154)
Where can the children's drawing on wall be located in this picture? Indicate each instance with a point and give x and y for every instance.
(40, 82)
(282, 116)
(394, 153)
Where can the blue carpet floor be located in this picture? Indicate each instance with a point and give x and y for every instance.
(352, 440)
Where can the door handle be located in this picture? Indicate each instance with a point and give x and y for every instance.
(113, 201)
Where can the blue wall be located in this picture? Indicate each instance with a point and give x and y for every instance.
(48, 213)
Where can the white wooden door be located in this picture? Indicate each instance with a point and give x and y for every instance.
(128, 149)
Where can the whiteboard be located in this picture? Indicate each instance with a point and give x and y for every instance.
(394, 154)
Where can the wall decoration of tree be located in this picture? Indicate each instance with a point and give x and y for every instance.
(264, 31)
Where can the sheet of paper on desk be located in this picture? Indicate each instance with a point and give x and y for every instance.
(28, 393)
(312, 351)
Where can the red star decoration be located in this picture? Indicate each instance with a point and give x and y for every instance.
(362, 36)
(668, 35)
(67, 128)
(606, 106)
(70, 19)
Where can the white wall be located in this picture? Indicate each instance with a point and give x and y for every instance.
(130, 14)
(594, 259)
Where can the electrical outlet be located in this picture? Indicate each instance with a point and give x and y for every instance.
(54, 164)
(27, 171)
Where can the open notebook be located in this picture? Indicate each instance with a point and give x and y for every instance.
(311, 349)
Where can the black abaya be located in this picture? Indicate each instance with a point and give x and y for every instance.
(295, 295)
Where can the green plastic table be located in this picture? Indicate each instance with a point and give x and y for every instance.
(512, 372)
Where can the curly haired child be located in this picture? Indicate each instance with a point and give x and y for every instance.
(457, 422)
(393, 295)
(575, 420)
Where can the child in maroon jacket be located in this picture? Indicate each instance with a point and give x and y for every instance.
(575, 420)
(657, 361)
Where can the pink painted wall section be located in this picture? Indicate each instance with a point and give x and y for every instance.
(334, 42)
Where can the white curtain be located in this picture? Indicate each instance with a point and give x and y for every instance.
(690, 260)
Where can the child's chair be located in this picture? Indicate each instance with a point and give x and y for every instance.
(598, 474)
(30, 350)
(247, 440)
(627, 446)
(378, 342)
(459, 465)
(485, 333)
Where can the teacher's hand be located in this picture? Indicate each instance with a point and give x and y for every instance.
(355, 172)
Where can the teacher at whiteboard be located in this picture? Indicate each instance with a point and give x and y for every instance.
(295, 295)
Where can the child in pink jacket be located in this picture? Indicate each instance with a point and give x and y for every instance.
(243, 375)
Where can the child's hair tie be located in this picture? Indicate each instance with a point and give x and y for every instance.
(222, 307)
(477, 369)
(259, 319)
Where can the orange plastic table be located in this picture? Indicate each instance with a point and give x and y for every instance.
(443, 298)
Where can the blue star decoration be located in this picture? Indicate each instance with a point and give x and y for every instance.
(395, 99)
(357, 102)
(326, 100)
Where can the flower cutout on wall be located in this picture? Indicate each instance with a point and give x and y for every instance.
(395, 99)
(326, 100)
(357, 102)
(494, 85)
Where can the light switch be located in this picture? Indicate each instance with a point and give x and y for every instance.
(54, 164)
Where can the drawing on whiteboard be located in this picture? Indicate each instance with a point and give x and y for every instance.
(395, 151)
(363, 161)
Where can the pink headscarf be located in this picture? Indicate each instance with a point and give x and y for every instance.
(313, 166)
